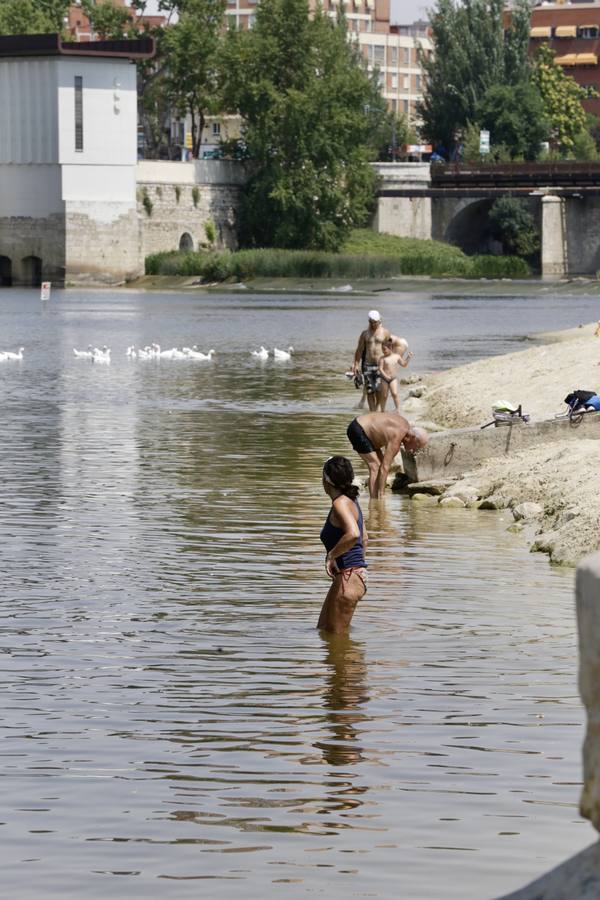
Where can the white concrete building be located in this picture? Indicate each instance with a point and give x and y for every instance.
(68, 154)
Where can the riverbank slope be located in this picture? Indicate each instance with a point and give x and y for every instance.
(561, 478)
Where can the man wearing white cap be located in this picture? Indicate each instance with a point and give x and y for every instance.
(368, 353)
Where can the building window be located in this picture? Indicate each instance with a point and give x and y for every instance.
(589, 32)
(405, 106)
(393, 56)
(216, 129)
(417, 82)
(406, 56)
(394, 80)
(79, 113)
(376, 54)
(405, 83)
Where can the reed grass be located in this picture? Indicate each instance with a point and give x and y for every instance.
(366, 255)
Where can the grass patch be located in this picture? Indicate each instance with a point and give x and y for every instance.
(365, 255)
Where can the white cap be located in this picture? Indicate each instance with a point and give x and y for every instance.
(374, 316)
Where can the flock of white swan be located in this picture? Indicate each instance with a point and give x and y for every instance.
(153, 351)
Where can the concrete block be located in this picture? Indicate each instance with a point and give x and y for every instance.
(463, 449)
(587, 595)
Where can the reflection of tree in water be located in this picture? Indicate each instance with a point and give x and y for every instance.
(344, 696)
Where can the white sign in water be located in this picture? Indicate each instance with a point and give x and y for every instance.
(45, 291)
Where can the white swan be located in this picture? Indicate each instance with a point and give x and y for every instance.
(18, 355)
(101, 355)
(84, 354)
(263, 353)
(283, 354)
(206, 356)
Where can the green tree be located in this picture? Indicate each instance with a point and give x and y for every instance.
(191, 47)
(561, 96)
(309, 107)
(471, 53)
(32, 16)
(515, 117)
(108, 21)
(584, 146)
(512, 224)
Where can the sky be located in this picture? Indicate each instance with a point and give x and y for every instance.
(406, 11)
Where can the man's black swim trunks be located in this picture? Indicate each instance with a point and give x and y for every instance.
(359, 440)
(372, 378)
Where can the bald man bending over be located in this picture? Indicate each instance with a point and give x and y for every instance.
(377, 438)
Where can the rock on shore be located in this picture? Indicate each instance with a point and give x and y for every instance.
(562, 478)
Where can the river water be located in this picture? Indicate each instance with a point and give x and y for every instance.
(173, 725)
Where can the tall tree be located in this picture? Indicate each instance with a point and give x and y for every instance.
(32, 16)
(472, 51)
(562, 98)
(308, 106)
(515, 116)
(108, 21)
(191, 46)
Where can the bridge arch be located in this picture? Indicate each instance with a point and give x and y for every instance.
(5, 271)
(469, 227)
(31, 269)
(186, 242)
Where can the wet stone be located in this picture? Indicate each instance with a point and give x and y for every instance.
(425, 499)
(452, 503)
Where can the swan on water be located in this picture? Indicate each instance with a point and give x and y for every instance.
(263, 353)
(7, 354)
(84, 354)
(283, 354)
(101, 355)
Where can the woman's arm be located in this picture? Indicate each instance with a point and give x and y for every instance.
(344, 511)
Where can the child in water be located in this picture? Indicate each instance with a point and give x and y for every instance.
(395, 355)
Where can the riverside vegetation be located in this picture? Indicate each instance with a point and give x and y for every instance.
(364, 254)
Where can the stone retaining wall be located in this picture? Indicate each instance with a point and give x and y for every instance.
(175, 201)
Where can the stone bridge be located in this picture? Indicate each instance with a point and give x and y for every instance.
(451, 203)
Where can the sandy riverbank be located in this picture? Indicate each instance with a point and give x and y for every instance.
(561, 478)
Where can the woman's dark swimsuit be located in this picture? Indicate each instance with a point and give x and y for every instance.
(357, 437)
(354, 558)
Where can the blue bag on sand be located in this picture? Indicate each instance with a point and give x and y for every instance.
(594, 402)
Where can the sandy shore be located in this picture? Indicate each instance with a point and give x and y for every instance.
(562, 478)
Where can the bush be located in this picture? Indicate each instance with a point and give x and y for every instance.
(499, 267)
(418, 258)
(512, 224)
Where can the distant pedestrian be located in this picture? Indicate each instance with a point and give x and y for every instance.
(368, 353)
(377, 438)
(396, 355)
(345, 538)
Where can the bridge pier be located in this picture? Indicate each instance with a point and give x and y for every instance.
(554, 238)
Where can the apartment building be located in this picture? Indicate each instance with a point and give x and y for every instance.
(573, 32)
(391, 49)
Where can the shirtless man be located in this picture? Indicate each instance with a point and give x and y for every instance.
(377, 438)
(368, 353)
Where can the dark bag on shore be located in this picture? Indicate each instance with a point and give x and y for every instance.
(578, 398)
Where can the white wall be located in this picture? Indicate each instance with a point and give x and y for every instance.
(107, 184)
(109, 112)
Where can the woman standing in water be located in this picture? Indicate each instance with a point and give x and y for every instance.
(345, 538)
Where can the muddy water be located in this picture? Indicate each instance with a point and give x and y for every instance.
(173, 725)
